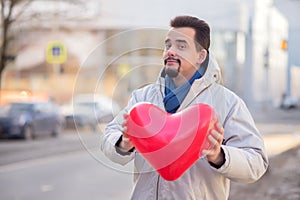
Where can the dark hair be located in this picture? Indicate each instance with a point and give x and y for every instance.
(202, 35)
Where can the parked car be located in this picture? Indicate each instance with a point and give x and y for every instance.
(88, 110)
(289, 102)
(80, 116)
(30, 119)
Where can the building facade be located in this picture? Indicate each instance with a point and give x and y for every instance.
(118, 46)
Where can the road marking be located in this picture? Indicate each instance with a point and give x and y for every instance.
(46, 188)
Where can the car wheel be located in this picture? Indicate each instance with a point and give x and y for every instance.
(28, 132)
(57, 130)
(93, 127)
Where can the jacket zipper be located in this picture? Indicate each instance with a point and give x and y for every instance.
(157, 187)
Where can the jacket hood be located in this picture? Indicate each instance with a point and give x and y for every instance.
(213, 71)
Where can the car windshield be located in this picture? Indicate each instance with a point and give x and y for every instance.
(88, 104)
(20, 107)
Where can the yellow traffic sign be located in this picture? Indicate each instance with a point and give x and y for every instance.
(56, 52)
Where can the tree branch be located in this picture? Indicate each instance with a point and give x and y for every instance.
(22, 10)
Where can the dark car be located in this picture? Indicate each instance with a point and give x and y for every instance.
(30, 119)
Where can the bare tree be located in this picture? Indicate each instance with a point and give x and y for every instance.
(14, 12)
(9, 15)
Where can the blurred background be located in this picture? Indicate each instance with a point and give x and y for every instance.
(44, 44)
(74, 64)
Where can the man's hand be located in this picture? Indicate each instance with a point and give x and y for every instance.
(215, 154)
(125, 145)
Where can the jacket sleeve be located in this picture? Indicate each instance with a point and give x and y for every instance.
(112, 134)
(245, 157)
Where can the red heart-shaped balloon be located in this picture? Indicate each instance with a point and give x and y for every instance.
(171, 143)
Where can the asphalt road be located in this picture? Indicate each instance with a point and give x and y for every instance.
(68, 167)
(73, 167)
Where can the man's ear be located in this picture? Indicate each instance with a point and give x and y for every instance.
(201, 56)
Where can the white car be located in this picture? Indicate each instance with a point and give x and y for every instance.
(90, 110)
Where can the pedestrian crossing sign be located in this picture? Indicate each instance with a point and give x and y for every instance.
(56, 52)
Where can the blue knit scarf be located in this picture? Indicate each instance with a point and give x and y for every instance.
(175, 96)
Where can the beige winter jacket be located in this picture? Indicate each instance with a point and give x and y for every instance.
(246, 159)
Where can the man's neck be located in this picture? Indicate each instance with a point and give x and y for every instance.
(179, 80)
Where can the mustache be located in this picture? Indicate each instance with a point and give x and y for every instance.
(170, 58)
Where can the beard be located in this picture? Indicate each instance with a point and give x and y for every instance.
(172, 73)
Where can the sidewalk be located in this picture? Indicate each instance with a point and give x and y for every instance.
(280, 128)
(281, 132)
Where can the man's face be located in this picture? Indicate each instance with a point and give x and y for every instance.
(180, 53)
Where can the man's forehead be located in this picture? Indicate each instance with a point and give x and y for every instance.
(186, 33)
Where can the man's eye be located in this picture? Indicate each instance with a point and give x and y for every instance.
(181, 46)
(168, 46)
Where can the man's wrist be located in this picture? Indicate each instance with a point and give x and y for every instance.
(219, 161)
(123, 145)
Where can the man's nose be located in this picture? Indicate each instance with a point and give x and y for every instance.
(171, 52)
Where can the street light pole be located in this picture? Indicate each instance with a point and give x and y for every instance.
(248, 65)
(289, 75)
